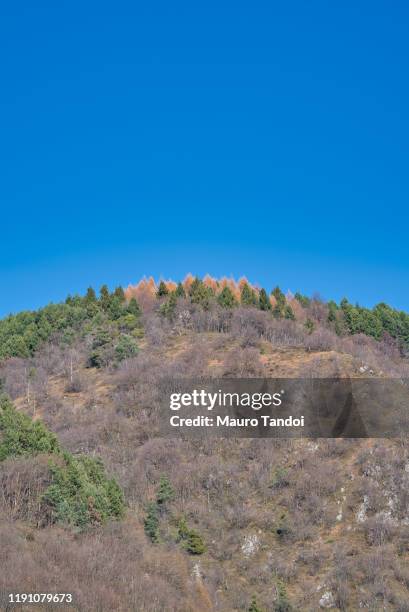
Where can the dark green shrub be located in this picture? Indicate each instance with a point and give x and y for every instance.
(81, 494)
(248, 296)
(162, 290)
(167, 309)
(302, 299)
(126, 347)
(180, 291)
(281, 604)
(226, 298)
(279, 479)
(151, 522)
(191, 540)
(19, 435)
(165, 491)
(200, 293)
(309, 325)
(263, 301)
(254, 606)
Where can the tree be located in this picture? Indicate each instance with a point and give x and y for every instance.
(253, 605)
(194, 543)
(309, 325)
(105, 297)
(280, 310)
(248, 296)
(281, 604)
(162, 290)
(288, 312)
(119, 293)
(263, 301)
(115, 308)
(19, 435)
(90, 296)
(200, 294)
(151, 522)
(332, 311)
(15, 346)
(191, 540)
(126, 347)
(91, 302)
(180, 291)
(279, 295)
(133, 307)
(167, 309)
(226, 298)
(81, 494)
(302, 299)
(165, 491)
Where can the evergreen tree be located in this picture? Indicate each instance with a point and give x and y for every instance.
(194, 543)
(226, 298)
(165, 491)
(151, 522)
(119, 293)
(105, 297)
(90, 296)
(302, 299)
(133, 307)
(162, 290)
(332, 312)
(253, 605)
(279, 295)
(248, 296)
(200, 294)
(180, 291)
(281, 309)
(91, 302)
(191, 540)
(282, 604)
(167, 309)
(309, 325)
(263, 301)
(115, 308)
(19, 435)
(289, 313)
(126, 347)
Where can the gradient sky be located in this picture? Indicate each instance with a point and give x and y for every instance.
(267, 139)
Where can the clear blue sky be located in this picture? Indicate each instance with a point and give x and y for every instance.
(269, 139)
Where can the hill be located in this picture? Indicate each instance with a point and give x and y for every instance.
(95, 504)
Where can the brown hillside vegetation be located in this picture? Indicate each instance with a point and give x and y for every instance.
(297, 524)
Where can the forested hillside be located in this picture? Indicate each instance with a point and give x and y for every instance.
(94, 503)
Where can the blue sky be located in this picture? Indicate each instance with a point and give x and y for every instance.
(266, 139)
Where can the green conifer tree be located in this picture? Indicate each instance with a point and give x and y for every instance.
(119, 293)
(200, 294)
(90, 296)
(309, 326)
(191, 540)
(133, 307)
(167, 309)
(151, 522)
(180, 291)
(288, 312)
(226, 298)
(105, 297)
(162, 290)
(165, 491)
(263, 301)
(248, 296)
(332, 312)
(302, 299)
(253, 605)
